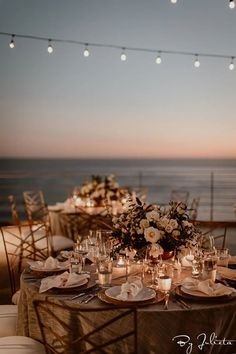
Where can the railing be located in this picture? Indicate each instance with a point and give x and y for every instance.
(216, 189)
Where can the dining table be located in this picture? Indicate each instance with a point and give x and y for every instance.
(189, 325)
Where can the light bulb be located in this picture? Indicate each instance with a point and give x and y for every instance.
(173, 1)
(50, 48)
(158, 59)
(12, 43)
(123, 56)
(231, 65)
(196, 62)
(231, 4)
(86, 51)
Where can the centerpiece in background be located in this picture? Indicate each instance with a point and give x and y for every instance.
(165, 230)
(100, 191)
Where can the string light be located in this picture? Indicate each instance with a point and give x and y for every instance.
(50, 48)
(231, 4)
(231, 65)
(158, 59)
(123, 49)
(196, 62)
(123, 56)
(86, 51)
(12, 43)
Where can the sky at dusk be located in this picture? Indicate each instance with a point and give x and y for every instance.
(66, 105)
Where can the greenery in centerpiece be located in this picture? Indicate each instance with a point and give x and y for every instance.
(141, 225)
(101, 189)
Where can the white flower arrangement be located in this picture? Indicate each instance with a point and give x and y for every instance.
(101, 190)
(141, 225)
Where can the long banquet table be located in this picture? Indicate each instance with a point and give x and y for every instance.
(159, 331)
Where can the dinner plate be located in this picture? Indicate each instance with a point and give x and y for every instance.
(110, 300)
(48, 270)
(194, 294)
(228, 276)
(144, 295)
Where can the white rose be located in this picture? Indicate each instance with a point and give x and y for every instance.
(187, 224)
(144, 223)
(152, 235)
(168, 228)
(173, 223)
(176, 233)
(164, 221)
(152, 215)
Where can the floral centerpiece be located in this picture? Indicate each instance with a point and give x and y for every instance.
(99, 190)
(141, 225)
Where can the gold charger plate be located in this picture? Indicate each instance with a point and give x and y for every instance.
(103, 297)
(198, 297)
(83, 287)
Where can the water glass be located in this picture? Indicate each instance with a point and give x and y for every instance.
(223, 257)
(210, 267)
(76, 263)
(104, 267)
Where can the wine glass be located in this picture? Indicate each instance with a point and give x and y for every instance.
(153, 260)
(83, 249)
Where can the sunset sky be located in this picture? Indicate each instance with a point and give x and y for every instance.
(66, 105)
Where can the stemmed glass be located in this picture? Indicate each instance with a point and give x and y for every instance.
(82, 249)
(153, 260)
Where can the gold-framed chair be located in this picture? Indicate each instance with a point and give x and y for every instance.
(179, 196)
(33, 233)
(39, 221)
(81, 222)
(193, 209)
(217, 229)
(19, 247)
(86, 330)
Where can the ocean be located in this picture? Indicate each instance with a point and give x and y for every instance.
(213, 181)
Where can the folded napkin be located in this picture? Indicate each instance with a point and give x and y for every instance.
(130, 289)
(49, 263)
(207, 287)
(63, 280)
(227, 272)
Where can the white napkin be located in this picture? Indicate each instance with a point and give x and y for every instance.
(207, 287)
(49, 263)
(130, 289)
(63, 280)
(227, 272)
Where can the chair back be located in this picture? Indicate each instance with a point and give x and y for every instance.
(84, 330)
(81, 222)
(217, 229)
(14, 212)
(21, 245)
(35, 206)
(179, 196)
(193, 210)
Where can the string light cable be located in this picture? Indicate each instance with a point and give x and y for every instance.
(122, 49)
